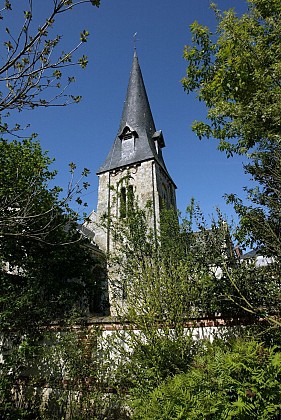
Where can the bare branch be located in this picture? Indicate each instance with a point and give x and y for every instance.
(30, 59)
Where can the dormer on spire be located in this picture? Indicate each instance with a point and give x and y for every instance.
(128, 133)
(128, 142)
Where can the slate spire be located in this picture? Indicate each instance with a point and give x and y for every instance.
(137, 121)
(136, 111)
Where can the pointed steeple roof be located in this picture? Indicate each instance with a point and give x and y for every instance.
(136, 112)
(138, 120)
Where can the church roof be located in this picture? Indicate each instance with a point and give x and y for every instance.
(136, 118)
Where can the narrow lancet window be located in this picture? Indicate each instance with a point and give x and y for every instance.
(126, 201)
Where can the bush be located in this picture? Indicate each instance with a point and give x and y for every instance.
(241, 382)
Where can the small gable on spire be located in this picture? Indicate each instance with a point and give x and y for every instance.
(128, 137)
(127, 133)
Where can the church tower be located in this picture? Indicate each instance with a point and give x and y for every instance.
(134, 165)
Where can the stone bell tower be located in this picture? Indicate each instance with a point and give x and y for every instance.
(136, 155)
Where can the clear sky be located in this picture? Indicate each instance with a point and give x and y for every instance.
(84, 133)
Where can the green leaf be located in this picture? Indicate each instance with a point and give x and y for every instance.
(84, 36)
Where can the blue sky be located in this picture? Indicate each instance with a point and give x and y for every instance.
(84, 133)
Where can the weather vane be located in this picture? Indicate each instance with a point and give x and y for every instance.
(135, 40)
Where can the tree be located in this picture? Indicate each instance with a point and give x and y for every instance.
(236, 72)
(260, 222)
(161, 283)
(49, 277)
(148, 278)
(41, 249)
(30, 66)
(28, 206)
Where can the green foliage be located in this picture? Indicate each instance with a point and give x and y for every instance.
(260, 223)
(236, 72)
(238, 382)
(159, 281)
(151, 355)
(46, 267)
(146, 270)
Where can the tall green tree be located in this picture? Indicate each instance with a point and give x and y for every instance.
(40, 248)
(152, 295)
(46, 266)
(236, 72)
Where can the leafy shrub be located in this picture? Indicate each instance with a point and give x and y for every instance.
(241, 382)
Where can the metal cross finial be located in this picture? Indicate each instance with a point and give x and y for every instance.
(135, 41)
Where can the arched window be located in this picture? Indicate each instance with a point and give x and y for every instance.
(126, 201)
